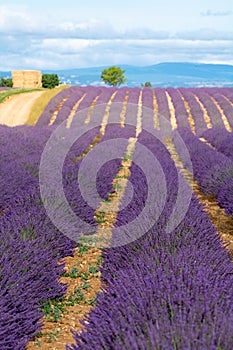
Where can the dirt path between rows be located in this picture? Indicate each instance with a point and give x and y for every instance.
(16, 109)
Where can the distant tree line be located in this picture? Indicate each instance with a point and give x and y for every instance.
(6, 82)
(49, 81)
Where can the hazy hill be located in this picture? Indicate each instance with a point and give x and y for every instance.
(163, 74)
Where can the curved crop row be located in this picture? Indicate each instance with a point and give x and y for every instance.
(180, 110)
(212, 170)
(208, 106)
(213, 112)
(221, 139)
(55, 103)
(224, 103)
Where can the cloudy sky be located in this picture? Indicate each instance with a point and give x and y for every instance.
(56, 34)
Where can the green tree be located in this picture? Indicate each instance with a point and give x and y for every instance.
(50, 80)
(147, 84)
(6, 82)
(113, 76)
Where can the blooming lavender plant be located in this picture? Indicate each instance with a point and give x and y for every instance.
(180, 110)
(195, 109)
(212, 170)
(51, 107)
(221, 139)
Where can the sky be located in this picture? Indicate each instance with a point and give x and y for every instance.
(76, 33)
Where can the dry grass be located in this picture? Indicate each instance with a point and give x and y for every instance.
(42, 102)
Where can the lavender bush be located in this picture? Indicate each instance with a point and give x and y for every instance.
(212, 170)
(221, 139)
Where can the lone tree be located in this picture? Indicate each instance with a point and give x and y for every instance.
(113, 76)
(147, 84)
(50, 80)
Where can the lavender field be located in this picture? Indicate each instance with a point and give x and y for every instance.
(166, 272)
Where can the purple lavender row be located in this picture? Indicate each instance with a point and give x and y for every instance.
(30, 245)
(132, 107)
(120, 95)
(180, 110)
(134, 95)
(218, 95)
(91, 93)
(74, 97)
(221, 139)
(147, 98)
(212, 110)
(163, 109)
(148, 113)
(29, 270)
(211, 169)
(30, 277)
(24, 224)
(228, 92)
(105, 174)
(139, 180)
(110, 168)
(195, 109)
(106, 94)
(154, 297)
(51, 107)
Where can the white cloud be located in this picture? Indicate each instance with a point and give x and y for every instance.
(210, 13)
(27, 41)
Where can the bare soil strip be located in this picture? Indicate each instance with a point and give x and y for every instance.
(72, 113)
(84, 281)
(123, 112)
(190, 117)
(103, 125)
(224, 117)
(156, 116)
(206, 142)
(222, 222)
(205, 113)
(106, 215)
(54, 116)
(228, 100)
(172, 111)
(17, 108)
(106, 114)
(88, 119)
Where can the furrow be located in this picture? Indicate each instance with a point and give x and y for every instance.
(188, 109)
(172, 111)
(123, 112)
(74, 109)
(205, 113)
(54, 116)
(220, 220)
(224, 118)
(156, 117)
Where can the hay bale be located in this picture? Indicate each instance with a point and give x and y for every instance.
(28, 79)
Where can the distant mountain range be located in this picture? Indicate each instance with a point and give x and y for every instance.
(163, 74)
